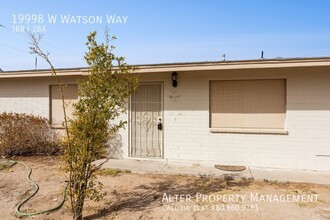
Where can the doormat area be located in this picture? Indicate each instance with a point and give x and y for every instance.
(5, 164)
(230, 168)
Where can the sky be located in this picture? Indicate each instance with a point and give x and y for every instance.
(171, 31)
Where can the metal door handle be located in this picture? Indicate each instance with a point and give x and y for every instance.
(160, 126)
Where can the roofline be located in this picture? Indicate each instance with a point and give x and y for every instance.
(185, 66)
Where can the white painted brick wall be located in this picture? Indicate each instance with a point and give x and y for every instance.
(24, 96)
(187, 136)
(30, 95)
(186, 122)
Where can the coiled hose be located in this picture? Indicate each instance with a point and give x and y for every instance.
(19, 213)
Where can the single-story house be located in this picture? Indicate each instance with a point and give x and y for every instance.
(265, 113)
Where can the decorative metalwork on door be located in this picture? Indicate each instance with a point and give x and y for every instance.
(146, 121)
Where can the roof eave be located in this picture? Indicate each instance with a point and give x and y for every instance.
(195, 66)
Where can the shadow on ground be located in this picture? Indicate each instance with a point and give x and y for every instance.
(150, 196)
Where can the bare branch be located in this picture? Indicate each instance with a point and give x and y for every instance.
(35, 49)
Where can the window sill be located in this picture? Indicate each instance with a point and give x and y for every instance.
(249, 131)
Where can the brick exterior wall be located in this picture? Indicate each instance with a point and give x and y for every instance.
(28, 95)
(187, 136)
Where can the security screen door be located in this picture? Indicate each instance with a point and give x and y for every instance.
(146, 121)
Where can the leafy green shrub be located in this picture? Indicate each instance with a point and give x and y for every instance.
(22, 134)
(103, 95)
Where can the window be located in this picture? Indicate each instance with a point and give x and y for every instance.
(255, 106)
(56, 111)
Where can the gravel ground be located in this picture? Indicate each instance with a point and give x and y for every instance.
(160, 196)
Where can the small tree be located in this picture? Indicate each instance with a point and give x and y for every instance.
(102, 99)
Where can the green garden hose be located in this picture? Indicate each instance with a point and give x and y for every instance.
(19, 213)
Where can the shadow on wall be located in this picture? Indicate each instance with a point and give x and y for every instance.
(115, 146)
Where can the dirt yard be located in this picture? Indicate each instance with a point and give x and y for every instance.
(155, 196)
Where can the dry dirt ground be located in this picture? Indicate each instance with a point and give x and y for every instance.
(152, 196)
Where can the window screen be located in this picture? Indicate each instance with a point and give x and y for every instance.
(254, 104)
(56, 110)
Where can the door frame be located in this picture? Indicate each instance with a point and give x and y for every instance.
(161, 83)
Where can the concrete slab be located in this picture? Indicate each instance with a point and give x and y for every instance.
(146, 166)
(198, 170)
(284, 175)
(193, 170)
(134, 165)
(249, 174)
